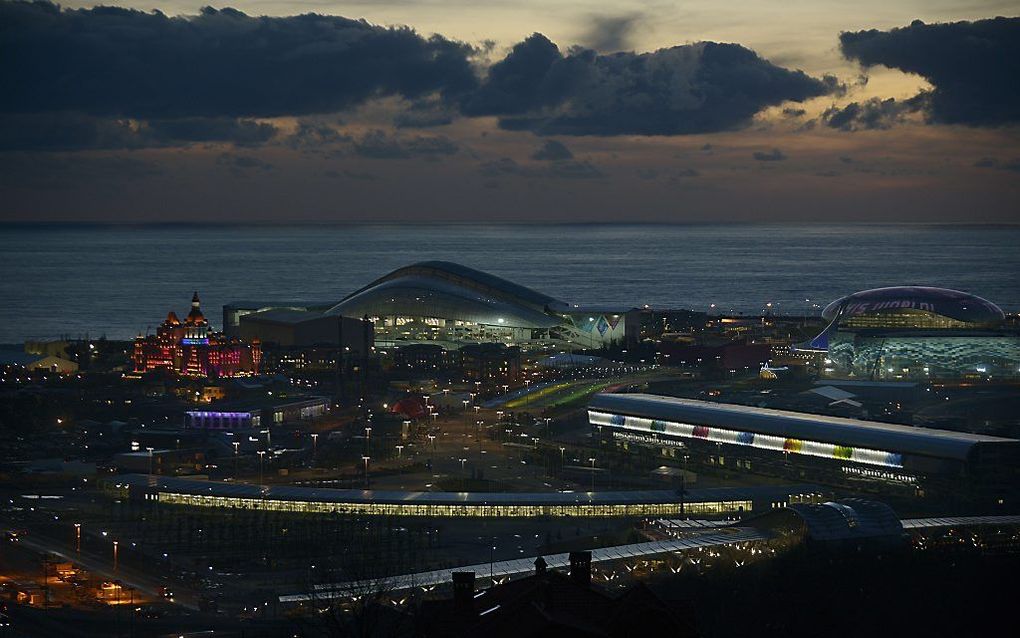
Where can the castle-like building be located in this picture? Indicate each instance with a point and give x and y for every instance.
(190, 348)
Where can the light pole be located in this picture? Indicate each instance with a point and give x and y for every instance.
(492, 551)
(149, 450)
(366, 459)
(115, 544)
(77, 537)
(592, 460)
(400, 450)
(262, 453)
(315, 446)
(237, 447)
(368, 439)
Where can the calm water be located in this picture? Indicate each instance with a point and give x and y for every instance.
(119, 281)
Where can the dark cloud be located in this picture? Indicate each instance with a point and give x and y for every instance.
(121, 62)
(425, 113)
(552, 150)
(209, 129)
(1003, 165)
(792, 112)
(609, 33)
(871, 114)
(242, 165)
(562, 169)
(775, 155)
(695, 88)
(376, 144)
(73, 131)
(111, 78)
(315, 135)
(65, 132)
(972, 66)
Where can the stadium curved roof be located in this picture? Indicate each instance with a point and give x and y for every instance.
(452, 291)
(954, 304)
(848, 519)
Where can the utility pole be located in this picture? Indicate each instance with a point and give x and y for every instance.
(339, 359)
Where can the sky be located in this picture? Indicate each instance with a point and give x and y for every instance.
(457, 110)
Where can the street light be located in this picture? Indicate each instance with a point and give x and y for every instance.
(149, 450)
(400, 450)
(315, 444)
(115, 544)
(262, 453)
(366, 460)
(77, 537)
(237, 445)
(592, 460)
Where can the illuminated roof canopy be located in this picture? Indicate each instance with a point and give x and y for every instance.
(848, 519)
(953, 304)
(451, 291)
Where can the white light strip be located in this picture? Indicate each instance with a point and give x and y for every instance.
(750, 439)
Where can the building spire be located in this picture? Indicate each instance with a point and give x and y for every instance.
(194, 300)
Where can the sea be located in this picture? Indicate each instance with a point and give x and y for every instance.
(118, 281)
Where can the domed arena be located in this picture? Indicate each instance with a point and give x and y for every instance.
(916, 333)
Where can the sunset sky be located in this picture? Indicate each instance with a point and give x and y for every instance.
(766, 110)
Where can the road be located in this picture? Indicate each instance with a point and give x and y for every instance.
(103, 568)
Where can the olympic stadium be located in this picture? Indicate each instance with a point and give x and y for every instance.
(916, 333)
(441, 301)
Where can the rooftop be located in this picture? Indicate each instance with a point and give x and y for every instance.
(327, 495)
(831, 429)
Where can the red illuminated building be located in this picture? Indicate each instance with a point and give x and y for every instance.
(189, 348)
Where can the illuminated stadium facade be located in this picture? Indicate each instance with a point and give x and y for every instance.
(721, 501)
(437, 301)
(915, 333)
(837, 450)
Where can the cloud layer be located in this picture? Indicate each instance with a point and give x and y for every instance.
(121, 62)
(120, 78)
(697, 88)
(972, 66)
